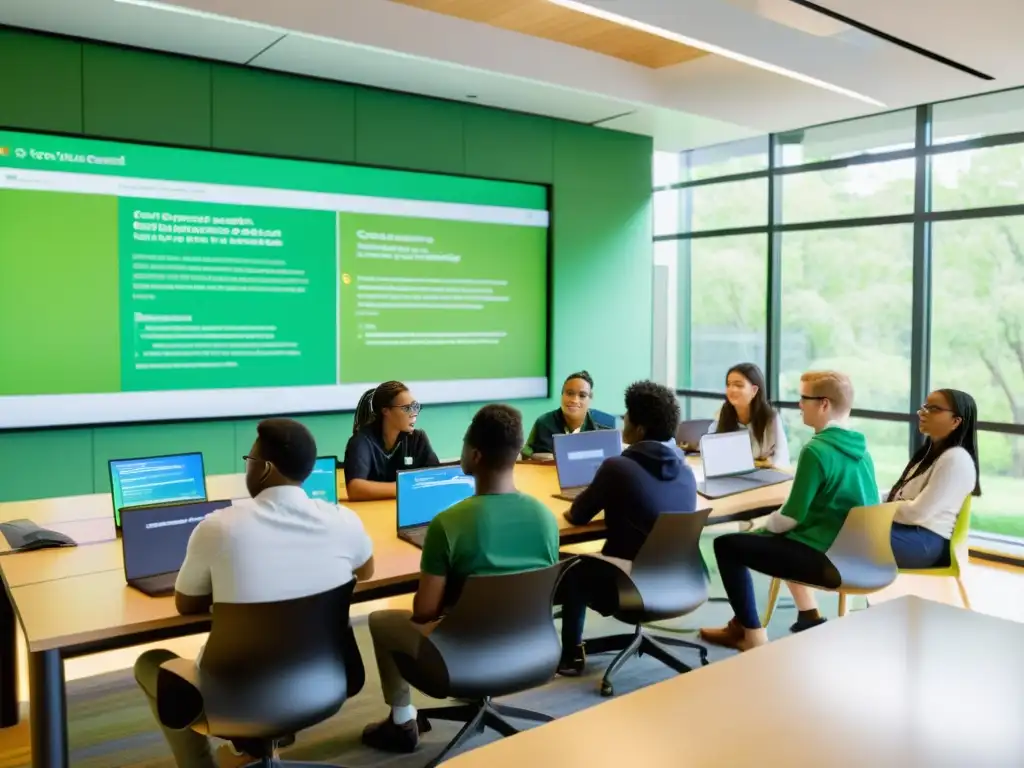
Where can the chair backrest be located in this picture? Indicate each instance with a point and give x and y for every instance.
(690, 432)
(862, 552)
(271, 669)
(668, 571)
(958, 549)
(498, 638)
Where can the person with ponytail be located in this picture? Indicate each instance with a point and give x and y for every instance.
(384, 440)
(573, 416)
(930, 492)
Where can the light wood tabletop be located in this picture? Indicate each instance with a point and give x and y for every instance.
(77, 596)
(908, 684)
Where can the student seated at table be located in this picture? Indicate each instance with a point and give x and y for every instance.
(747, 408)
(497, 530)
(649, 478)
(384, 440)
(834, 474)
(278, 545)
(573, 416)
(930, 492)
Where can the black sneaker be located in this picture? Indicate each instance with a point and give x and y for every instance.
(389, 736)
(801, 624)
(572, 662)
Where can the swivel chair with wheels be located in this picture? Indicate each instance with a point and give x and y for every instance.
(665, 581)
(268, 671)
(498, 639)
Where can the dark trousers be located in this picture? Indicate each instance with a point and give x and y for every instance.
(773, 555)
(917, 547)
(585, 584)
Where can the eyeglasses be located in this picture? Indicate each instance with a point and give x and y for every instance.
(932, 408)
(411, 409)
(811, 397)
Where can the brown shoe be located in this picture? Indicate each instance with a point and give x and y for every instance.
(729, 636)
(389, 736)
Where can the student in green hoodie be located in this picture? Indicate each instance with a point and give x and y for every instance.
(834, 474)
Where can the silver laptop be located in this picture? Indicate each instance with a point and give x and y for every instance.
(729, 466)
(578, 456)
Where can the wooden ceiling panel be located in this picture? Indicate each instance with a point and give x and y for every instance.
(539, 18)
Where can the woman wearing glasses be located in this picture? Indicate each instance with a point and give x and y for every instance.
(384, 440)
(939, 477)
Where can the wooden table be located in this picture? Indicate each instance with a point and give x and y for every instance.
(907, 684)
(74, 602)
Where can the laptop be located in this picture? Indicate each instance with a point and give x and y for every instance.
(156, 480)
(729, 466)
(322, 482)
(154, 540)
(578, 456)
(424, 493)
(690, 432)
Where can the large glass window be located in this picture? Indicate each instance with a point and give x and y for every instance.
(846, 305)
(998, 510)
(988, 115)
(856, 191)
(978, 178)
(713, 206)
(726, 281)
(866, 136)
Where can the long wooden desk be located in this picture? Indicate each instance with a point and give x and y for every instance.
(908, 684)
(73, 602)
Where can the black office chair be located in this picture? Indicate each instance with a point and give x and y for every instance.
(498, 639)
(268, 671)
(667, 580)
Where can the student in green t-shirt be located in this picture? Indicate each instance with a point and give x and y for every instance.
(834, 474)
(497, 530)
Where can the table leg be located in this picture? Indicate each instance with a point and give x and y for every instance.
(8, 662)
(48, 710)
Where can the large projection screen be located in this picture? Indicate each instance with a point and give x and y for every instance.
(142, 283)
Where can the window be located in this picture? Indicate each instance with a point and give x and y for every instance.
(846, 305)
(988, 115)
(879, 133)
(714, 206)
(699, 407)
(722, 290)
(888, 443)
(744, 156)
(999, 510)
(978, 178)
(856, 191)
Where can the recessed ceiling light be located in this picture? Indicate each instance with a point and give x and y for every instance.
(625, 21)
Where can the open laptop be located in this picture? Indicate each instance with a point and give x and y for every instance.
(156, 480)
(154, 540)
(729, 466)
(322, 482)
(424, 493)
(690, 432)
(578, 456)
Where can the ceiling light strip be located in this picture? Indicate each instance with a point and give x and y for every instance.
(711, 48)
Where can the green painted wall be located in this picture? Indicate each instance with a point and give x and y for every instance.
(602, 260)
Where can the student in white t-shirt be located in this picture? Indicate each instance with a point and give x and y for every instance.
(746, 407)
(278, 545)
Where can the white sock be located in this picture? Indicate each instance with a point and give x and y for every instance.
(403, 714)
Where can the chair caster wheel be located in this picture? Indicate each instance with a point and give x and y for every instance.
(607, 689)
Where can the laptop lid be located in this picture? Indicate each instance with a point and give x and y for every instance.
(322, 482)
(726, 454)
(156, 480)
(578, 456)
(154, 539)
(424, 493)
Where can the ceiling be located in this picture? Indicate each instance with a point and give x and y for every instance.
(687, 72)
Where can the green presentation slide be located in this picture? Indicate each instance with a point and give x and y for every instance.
(145, 283)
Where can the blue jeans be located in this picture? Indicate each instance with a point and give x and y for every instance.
(917, 547)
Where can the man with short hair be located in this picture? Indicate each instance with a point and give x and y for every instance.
(497, 530)
(648, 479)
(834, 474)
(278, 545)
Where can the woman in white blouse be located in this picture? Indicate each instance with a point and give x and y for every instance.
(940, 476)
(747, 407)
